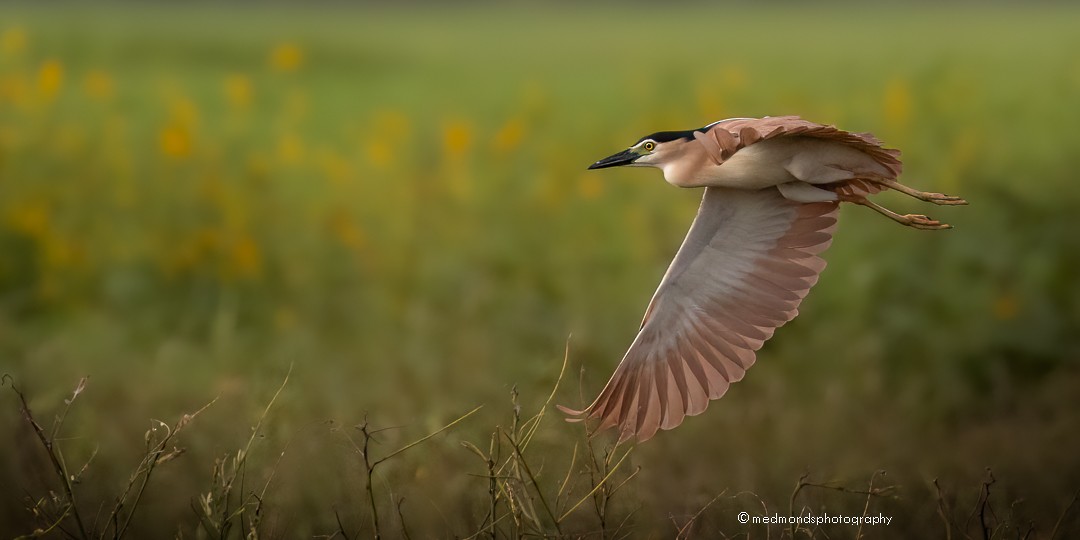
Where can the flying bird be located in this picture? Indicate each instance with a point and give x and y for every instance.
(772, 189)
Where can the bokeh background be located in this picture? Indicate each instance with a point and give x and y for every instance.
(393, 201)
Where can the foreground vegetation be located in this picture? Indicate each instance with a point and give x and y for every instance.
(393, 202)
(519, 503)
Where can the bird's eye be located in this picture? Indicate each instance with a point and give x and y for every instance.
(649, 146)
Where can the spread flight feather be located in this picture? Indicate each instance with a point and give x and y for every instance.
(742, 271)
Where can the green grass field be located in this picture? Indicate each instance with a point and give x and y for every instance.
(394, 202)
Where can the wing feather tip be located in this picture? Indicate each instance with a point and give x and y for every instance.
(574, 415)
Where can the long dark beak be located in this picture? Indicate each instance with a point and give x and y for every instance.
(625, 157)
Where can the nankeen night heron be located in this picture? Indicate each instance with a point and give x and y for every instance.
(772, 189)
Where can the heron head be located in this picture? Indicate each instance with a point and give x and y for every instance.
(654, 150)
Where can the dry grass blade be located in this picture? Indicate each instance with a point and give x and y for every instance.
(401, 519)
(599, 484)
(791, 504)
(120, 518)
(48, 443)
(493, 483)
(684, 531)
(943, 510)
(534, 422)
(532, 478)
(370, 465)
(1065, 512)
(870, 492)
(266, 411)
(982, 505)
(154, 456)
(426, 437)
(214, 510)
(566, 480)
(625, 481)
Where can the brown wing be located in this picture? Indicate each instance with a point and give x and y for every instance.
(747, 262)
(722, 139)
(737, 133)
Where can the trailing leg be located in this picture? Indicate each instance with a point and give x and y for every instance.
(936, 198)
(917, 221)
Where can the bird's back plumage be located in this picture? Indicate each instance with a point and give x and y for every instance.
(722, 139)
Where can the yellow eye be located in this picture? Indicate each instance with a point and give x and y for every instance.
(649, 146)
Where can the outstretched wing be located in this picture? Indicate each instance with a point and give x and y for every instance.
(742, 271)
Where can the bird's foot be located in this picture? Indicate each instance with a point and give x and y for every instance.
(920, 221)
(916, 221)
(928, 196)
(943, 199)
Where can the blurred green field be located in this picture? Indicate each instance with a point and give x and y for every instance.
(394, 202)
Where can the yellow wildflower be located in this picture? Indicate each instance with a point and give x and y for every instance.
(390, 131)
(238, 91)
(392, 124)
(98, 85)
(347, 232)
(244, 258)
(12, 41)
(183, 111)
(14, 88)
(286, 57)
(290, 149)
(175, 141)
(590, 186)
(57, 252)
(509, 135)
(50, 78)
(897, 103)
(380, 153)
(457, 138)
(334, 166)
(31, 219)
